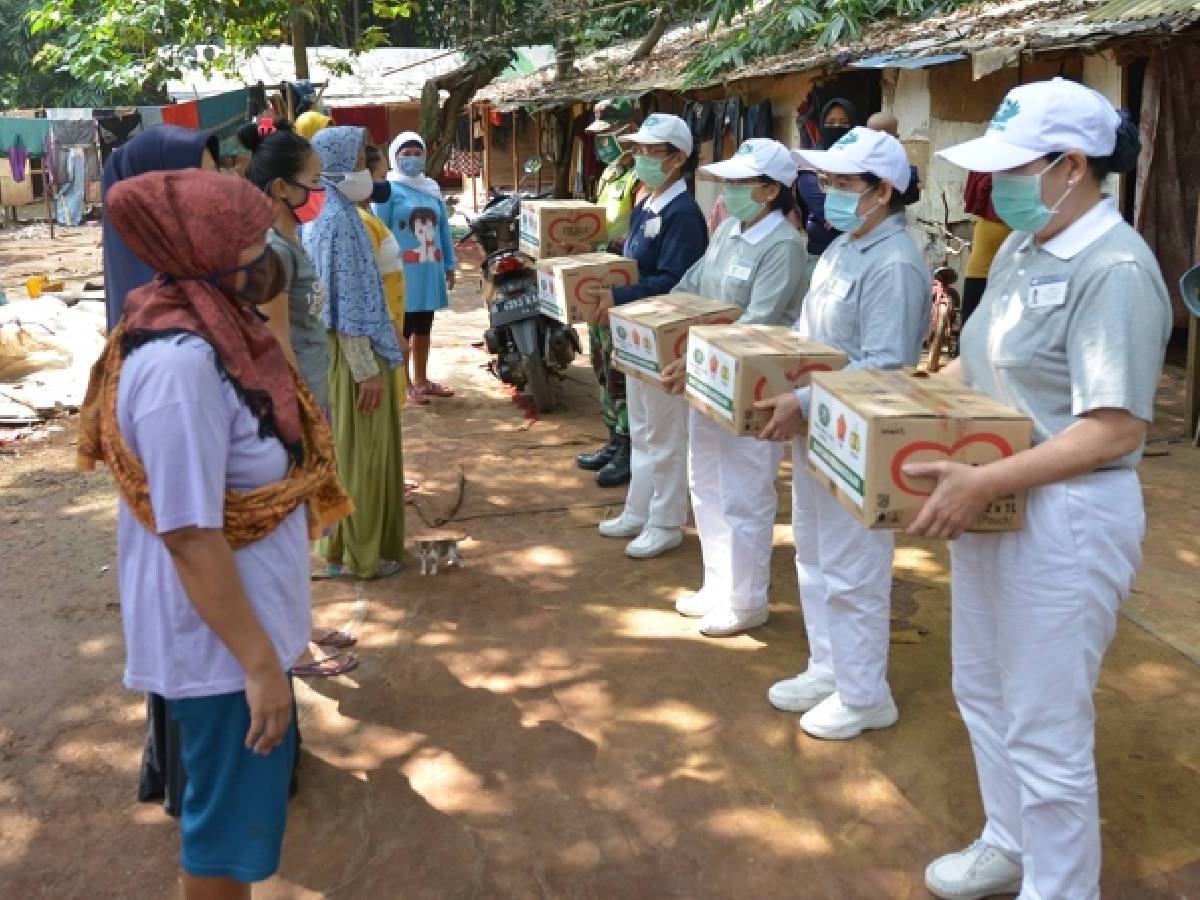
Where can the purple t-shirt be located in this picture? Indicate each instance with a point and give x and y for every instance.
(195, 439)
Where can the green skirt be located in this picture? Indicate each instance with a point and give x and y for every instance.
(370, 462)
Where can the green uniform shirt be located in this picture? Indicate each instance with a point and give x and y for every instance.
(618, 185)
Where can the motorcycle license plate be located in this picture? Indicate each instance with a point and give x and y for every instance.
(522, 303)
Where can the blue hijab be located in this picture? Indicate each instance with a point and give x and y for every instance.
(342, 252)
(161, 148)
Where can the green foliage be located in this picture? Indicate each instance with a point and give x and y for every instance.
(777, 26)
(22, 85)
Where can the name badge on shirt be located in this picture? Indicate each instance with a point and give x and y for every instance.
(652, 227)
(1047, 291)
(739, 271)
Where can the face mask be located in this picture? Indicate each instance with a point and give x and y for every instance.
(650, 171)
(412, 166)
(264, 279)
(310, 208)
(831, 134)
(1018, 200)
(841, 210)
(355, 187)
(740, 204)
(608, 149)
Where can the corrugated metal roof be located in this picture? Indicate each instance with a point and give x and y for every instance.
(1015, 27)
(1132, 10)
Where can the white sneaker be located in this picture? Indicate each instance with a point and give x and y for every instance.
(623, 526)
(695, 605)
(728, 622)
(654, 541)
(832, 720)
(979, 871)
(800, 694)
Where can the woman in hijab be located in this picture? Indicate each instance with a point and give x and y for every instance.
(838, 117)
(163, 147)
(363, 352)
(224, 470)
(418, 218)
(160, 148)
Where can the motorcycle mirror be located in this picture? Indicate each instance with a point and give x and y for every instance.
(533, 165)
(1189, 287)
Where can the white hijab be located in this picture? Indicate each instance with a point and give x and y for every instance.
(422, 183)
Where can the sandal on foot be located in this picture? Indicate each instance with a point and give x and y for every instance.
(433, 389)
(416, 396)
(328, 667)
(336, 639)
(387, 568)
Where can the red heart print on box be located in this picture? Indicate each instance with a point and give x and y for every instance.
(793, 377)
(902, 456)
(616, 278)
(579, 228)
(681, 341)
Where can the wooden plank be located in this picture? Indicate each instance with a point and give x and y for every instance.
(1192, 382)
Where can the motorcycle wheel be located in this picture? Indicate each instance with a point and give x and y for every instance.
(537, 382)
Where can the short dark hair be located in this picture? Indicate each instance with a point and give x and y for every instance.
(785, 200)
(899, 200)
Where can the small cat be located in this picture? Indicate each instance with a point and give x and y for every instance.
(434, 552)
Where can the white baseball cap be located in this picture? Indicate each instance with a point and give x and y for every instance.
(863, 151)
(662, 128)
(757, 156)
(1038, 119)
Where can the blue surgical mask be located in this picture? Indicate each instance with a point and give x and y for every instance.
(740, 204)
(1018, 200)
(841, 210)
(412, 166)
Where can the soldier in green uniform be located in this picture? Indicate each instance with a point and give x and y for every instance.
(616, 193)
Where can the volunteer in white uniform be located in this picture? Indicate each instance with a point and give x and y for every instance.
(757, 261)
(869, 298)
(667, 236)
(1071, 331)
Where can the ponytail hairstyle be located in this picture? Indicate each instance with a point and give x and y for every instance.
(1126, 152)
(276, 151)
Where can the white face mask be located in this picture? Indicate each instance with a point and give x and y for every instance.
(355, 187)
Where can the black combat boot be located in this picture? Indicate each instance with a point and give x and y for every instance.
(594, 462)
(616, 473)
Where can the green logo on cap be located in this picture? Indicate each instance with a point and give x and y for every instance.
(847, 139)
(744, 149)
(1008, 111)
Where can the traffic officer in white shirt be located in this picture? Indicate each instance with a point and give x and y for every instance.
(1071, 331)
(757, 261)
(869, 298)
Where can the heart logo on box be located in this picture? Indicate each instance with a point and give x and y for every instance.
(618, 277)
(902, 456)
(681, 341)
(580, 228)
(794, 377)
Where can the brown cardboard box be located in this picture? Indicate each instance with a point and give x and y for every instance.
(730, 367)
(651, 334)
(563, 283)
(864, 426)
(551, 228)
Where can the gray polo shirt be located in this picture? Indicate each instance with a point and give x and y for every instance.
(869, 298)
(760, 270)
(1073, 325)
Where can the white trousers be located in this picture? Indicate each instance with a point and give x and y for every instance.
(734, 501)
(845, 576)
(1033, 613)
(658, 430)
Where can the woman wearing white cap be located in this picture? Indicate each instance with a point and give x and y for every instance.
(869, 297)
(1071, 331)
(757, 261)
(667, 235)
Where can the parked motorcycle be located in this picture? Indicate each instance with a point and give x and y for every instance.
(530, 349)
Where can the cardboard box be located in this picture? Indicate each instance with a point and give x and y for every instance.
(651, 334)
(730, 367)
(864, 426)
(563, 283)
(551, 228)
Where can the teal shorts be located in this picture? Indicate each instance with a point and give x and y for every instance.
(235, 803)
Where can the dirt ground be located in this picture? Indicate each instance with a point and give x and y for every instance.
(541, 723)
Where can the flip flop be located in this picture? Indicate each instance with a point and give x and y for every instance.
(415, 396)
(336, 639)
(320, 668)
(387, 569)
(433, 389)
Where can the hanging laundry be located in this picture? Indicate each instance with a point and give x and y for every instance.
(71, 195)
(760, 121)
(151, 116)
(69, 114)
(372, 118)
(32, 132)
(224, 113)
(18, 156)
(185, 114)
(116, 129)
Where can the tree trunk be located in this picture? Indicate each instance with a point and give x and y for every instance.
(299, 43)
(661, 24)
(439, 120)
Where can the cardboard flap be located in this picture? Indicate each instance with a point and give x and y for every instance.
(901, 393)
(762, 340)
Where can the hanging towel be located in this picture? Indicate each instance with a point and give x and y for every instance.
(151, 116)
(32, 132)
(18, 156)
(185, 115)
